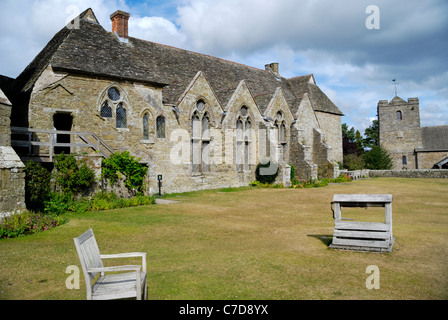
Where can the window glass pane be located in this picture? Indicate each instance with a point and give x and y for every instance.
(121, 117)
(106, 110)
(160, 123)
(205, 156)
(282, 133)
(196, 155)
(196, 130)
(113, 94)
(200, 105)
(205, 128)
(239, 130)
(145, 127)
(247, 131)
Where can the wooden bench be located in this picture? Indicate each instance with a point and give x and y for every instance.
(130, 282)
(362, 236)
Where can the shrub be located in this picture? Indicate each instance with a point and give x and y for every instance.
(127, 165)
(378, 159)
(293, 172)
(326, 171)
(27, 223)
(354, 162)
(37, 185)
(58, 203)
(266, 178)
(72, 176)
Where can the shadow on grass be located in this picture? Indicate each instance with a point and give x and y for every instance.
(325, 238)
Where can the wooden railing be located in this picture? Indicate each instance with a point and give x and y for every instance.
(90, 140)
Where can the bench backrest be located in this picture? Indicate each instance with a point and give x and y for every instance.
(89, 254)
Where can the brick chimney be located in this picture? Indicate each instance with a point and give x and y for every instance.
(120, 23)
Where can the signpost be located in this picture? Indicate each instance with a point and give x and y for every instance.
(159, 178)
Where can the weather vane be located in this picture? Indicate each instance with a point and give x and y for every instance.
(395, 83)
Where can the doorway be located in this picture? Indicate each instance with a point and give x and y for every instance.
(62, 122)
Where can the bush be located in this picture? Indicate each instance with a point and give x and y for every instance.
(293, 172)
(59, 203)
(378, 159)
(354, 162)
(37, 185)
(326, 171)
(27, 223)
(266, 178)
(127, 165)
(72, 176)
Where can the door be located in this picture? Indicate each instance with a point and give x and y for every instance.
(62, 122)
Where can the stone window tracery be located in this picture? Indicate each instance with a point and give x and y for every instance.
(200, 129)
(114, 104)
(243, 140)
(280, 127)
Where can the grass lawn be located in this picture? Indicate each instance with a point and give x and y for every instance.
(248, 243)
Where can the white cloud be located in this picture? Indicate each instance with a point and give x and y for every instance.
(156, 29)
(352, 64)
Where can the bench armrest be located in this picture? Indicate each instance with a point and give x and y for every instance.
(115, 268)
(127, 255)
(123, 255)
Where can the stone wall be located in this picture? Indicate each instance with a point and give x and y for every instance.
(12, 169)
(400, 135)
(12, 182)
(429, 159)
(82, 97)
(412, 173)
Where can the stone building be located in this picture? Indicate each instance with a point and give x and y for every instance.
(410, 145)
(12, 170)
(199, 121)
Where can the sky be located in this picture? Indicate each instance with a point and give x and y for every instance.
(354, 48)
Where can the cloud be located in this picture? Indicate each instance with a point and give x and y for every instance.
(352, 64)
(157, 29)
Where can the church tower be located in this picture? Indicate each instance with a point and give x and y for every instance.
(399, 130)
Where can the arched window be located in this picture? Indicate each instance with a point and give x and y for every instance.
(113, 103)
(200, 129)
(146, 127)
(122, 121)
(160, 127)
(106, 110)
(280, 126)
(404, 160)
(399, 115)
(243, 140)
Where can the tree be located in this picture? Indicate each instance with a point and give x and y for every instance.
(359, 141)
(351, 141)
(378, 159)
(372, 135)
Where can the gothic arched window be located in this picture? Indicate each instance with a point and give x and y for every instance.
(160, 127)
(243, 140)
(122, 121)
(146, 126)
(200, 129)
(280, 127)
(113, 104)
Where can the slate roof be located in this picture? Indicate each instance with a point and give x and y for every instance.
(435, 138)
(90, 49)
